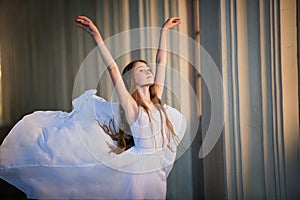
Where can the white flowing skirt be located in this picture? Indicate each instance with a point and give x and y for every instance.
(59, 155)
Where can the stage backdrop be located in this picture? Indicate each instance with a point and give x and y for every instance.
(254, 46)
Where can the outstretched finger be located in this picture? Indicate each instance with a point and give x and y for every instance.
(175, 18)
(83, 20)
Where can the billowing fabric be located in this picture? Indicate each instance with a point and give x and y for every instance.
(60, 155)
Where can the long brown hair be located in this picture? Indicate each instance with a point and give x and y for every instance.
(123, 137)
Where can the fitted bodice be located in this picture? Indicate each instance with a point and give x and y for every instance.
(147, 134)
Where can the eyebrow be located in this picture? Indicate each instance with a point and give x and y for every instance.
(143, 66)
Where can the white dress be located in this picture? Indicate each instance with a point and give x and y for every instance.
(60, 155)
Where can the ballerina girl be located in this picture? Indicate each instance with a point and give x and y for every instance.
(87, 153)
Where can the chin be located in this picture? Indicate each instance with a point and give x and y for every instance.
(151, 83)
(148, 84)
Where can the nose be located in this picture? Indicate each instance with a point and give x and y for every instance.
(148, 72)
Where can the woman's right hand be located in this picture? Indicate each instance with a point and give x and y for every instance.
(88, 25)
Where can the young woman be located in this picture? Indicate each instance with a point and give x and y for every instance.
(92, 152)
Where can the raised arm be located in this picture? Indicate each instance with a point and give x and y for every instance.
(161, 56)
(127, 102)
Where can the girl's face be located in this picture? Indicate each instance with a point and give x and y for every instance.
(142, 74)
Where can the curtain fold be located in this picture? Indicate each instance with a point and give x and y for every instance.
(256, 126)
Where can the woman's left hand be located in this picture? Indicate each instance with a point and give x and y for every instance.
(171, 22)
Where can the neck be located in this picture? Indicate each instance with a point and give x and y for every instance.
(145, 95)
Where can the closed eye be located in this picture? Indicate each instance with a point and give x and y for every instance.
(144, 69)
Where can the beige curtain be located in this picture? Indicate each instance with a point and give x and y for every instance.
(259, 66)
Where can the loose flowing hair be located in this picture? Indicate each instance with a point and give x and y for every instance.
(123, 137)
